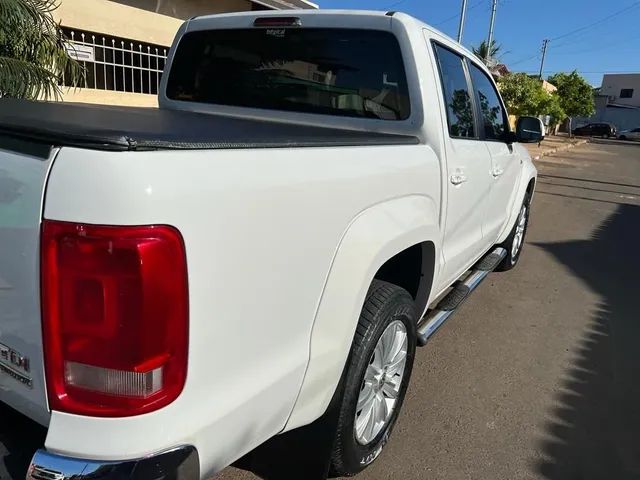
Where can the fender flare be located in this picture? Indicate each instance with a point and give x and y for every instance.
(529, 172)
(373, 237)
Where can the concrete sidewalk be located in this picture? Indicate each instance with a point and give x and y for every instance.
(553, 144)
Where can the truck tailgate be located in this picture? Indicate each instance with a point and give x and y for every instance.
(23, 174)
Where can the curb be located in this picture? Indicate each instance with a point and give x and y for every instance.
(560, 149)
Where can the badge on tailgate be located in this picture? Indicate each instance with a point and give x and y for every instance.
(15, 365)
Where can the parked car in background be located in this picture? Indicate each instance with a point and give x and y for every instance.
(629, 134)
(605, 130)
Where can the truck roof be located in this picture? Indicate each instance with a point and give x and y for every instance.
(327, 17)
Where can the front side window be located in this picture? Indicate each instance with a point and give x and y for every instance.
(494, 116)
(456, 93)
(354, 73)
(626, 93)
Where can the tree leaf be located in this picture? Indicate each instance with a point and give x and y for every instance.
(32, 51)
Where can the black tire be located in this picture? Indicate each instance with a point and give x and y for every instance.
(384, 304)
(511, 260)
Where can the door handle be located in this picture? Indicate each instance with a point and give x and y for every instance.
(458, 178)
(496, 172)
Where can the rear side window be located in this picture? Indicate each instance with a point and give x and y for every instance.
(494, 116)
(456, 93)
(347, 72)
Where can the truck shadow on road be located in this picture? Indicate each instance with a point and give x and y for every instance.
(593, 431)
(19, 439)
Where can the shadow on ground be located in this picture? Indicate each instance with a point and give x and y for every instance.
(593, 432)
(19, 439)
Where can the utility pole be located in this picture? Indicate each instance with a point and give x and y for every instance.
(463, 13)
(544, 54)
(493, 20)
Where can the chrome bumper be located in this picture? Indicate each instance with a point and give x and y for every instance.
(178, 464)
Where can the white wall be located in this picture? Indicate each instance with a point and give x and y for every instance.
(613, 83)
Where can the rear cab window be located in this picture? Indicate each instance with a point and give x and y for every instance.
(460, 116)
(345, 72)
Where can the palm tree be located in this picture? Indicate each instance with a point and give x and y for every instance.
(484, 53)
(32, 51)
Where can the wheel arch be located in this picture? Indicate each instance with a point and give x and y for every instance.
(412, 269)
(526, 186)
(376, 244)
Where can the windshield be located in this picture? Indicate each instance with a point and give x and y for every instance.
(357, 73)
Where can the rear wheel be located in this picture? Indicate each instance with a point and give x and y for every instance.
(377, 377)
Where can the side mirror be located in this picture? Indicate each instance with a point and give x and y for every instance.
(529, 130)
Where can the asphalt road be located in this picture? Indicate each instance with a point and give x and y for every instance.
(538, 375)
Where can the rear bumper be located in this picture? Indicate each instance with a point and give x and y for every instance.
(178, 464)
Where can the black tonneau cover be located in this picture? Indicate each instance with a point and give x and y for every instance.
(130, 128)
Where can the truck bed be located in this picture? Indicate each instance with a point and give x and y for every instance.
(133, 128)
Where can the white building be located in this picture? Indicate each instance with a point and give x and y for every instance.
(617, 102)
(621, 89)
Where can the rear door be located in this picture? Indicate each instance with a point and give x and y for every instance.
(468, 167)
(505, 163)
(23, 173)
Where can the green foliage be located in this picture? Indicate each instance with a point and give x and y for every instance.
(551, 106)
(574, 93)
(484, 53)
(524, 95)
(32, 52)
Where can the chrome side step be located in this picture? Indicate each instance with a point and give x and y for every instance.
(456, 297)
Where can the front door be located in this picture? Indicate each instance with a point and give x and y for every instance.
(505, 163)
(468, 167)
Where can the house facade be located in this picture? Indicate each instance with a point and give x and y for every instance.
(617, 102)
(621, 89)
(123, 44)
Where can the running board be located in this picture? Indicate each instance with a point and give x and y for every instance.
(456, 297)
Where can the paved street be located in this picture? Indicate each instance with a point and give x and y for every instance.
(538, 375)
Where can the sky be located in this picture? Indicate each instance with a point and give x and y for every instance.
(591, 36)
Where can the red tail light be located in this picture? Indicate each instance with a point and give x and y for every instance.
(115, 317)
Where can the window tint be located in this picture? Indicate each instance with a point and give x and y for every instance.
(356, 73)
(454, 83)
(494, 117)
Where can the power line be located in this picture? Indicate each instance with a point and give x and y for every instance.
(522, 60)
(453, 17)
(394, 4)
(599, 47)
(577, 30)
(597, 22)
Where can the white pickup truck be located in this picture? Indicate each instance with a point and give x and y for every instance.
(315, 196)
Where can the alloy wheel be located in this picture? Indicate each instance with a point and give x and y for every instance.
(381, 384)
(518, 238)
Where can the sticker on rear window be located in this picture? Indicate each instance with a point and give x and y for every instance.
(276, 32)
